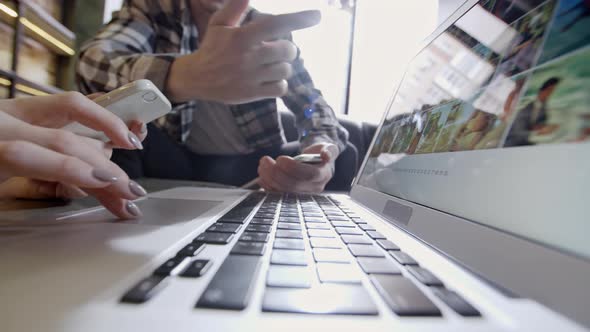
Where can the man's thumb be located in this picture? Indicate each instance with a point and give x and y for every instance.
(230, 14)
(329, 152)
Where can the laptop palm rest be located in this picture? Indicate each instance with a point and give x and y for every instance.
(156, 211)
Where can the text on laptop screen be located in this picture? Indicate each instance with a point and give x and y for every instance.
(492, 123)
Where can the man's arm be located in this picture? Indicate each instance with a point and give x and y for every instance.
(320, 133)
(123, 51)
(315, 119)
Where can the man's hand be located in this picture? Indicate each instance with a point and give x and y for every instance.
(239, 64)
(286, 174)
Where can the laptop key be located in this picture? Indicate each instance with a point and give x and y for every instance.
(366, 227)
(259, 228)
(376, 235)
(318, 242)
(338, 273)
(288, 276)
(343, 224)
(331, 255)
(231, 286)
(224, 228)
(338, 218)
(425, 276)
(289, 234)
(363, 250)
(196, 268)
(254, 237)
(284, 225)
(324, 299)
(317, 226)
(144, 290)
(327, 233)
(456, 302)
(265, 215)
(191, 249)
(348, 231)
(214, 238)
(387, 245)
(232, 220)
(358, 221)
(288, 257)
(289, 219)
(403, 258)
(373, 265)
(356, 239)
(315, 220)
(290, 244)
(403, 297)
(168, 266)
(257, 221)
(248, 248)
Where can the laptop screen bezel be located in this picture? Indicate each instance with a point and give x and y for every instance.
(468, 243)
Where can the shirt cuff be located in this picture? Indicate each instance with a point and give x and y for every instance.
(155, 68)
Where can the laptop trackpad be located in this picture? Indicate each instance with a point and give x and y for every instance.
(156, 211)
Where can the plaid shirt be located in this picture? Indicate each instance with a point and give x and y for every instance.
(145, 37)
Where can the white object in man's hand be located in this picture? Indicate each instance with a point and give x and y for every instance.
(285, 174)
(239, 64)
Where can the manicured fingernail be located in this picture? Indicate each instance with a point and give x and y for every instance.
(133, 209)
(135, 141)
(104, 175)
(143, 128)
(136, 189)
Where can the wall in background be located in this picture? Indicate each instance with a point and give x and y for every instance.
(325, 48)
(387, 35)
(109, 7)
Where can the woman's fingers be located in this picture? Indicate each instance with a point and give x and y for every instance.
(59, 110)
(91, 152)
(122, 208)
(21, 158)
(85, 111)
(88, 150)
(95, 95)
(70, 192)
(139, 129)
(25, 188)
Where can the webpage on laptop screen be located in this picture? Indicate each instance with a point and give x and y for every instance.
(492, 123)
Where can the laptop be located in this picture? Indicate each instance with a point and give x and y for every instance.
(469, 213)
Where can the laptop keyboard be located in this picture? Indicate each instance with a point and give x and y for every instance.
(319, 253)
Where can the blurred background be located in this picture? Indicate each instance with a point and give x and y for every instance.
(361, 46)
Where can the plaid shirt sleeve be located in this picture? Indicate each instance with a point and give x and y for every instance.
(123, 51)
(315, 119)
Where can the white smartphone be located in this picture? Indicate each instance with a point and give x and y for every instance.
(139, 100)
(309, 158)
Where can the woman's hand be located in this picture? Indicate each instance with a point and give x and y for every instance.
(57, 111)
(50, 161)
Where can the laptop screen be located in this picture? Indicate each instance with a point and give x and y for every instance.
(491, 123)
